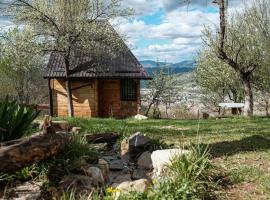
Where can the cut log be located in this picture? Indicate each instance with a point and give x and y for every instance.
(27, 151)
(102, 138)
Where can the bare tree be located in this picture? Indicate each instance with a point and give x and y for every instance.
(161, 89)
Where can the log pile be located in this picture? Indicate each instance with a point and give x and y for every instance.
(19, 153)
(31, 150)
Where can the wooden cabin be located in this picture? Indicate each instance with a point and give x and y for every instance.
(102, 86)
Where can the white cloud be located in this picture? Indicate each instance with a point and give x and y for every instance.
(181, 28)
(169, 52)
(143, 7)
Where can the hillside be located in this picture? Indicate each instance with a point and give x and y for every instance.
(176, 68)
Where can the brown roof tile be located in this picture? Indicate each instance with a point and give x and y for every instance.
(123, 65)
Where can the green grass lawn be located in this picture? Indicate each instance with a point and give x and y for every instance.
(240, 148)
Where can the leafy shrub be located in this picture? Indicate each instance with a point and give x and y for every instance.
(26, 173)
(157, 144)
(191, 176)
(15, 119)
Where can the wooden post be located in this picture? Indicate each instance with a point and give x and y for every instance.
(51, 97)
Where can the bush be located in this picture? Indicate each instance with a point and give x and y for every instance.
(15, 120)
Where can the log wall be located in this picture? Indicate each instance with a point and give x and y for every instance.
(94, 98)
(84, 96)
(111, 104)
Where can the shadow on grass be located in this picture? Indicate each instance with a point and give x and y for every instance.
(252, 143)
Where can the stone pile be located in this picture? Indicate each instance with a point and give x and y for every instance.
(131, 169)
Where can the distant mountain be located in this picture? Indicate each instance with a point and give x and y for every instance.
(176, 68)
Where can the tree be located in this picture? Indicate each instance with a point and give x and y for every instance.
(161, 89)
(217, 79)
(64, 25)
(21, 67)
(237, 45)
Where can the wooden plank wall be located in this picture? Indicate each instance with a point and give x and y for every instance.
(111, 104)
(85, 98)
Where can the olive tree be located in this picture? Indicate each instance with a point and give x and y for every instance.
(64, 25)
(215, 75)
(236, 44)
(217, 80)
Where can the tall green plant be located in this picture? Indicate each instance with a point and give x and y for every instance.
(15, 119)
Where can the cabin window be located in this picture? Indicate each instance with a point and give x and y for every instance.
(128, 90)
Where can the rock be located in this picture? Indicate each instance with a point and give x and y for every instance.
(104, 166)
(139, 174)
(96, 174)
(137, 143)
(162, 158)
(80, 183)
(145, 161)
(140, 186)
(122, 178)
(109, 158)
(76, 129)
(124, 150)
(116, 165)
(85, 161)
(116, 147)
(140, 117)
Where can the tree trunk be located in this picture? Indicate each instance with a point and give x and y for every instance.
(267, 108)
(69, 98)
(222, 23)
(149, 107)
(24, 152)
(248, 108)
(69, 90)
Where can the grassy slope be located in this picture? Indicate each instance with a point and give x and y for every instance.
(239, 147)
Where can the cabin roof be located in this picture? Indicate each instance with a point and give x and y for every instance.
(121, 65)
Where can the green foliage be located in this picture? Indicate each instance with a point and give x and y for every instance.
(27, 173)
(66, 160)
(217, 80)
(190, 176)
(21, 66)
(15, 119)
(157, 144)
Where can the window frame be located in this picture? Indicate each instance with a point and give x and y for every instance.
(131, 85)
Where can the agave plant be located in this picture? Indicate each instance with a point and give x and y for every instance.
(15, 119)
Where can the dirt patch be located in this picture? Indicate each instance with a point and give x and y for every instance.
(243, 191)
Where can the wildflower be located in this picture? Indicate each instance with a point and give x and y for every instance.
(112, 190)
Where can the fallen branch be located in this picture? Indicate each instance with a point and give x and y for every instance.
(17, 154)
(102, 138)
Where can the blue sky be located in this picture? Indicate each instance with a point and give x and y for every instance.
(169, 30)
(166, 30)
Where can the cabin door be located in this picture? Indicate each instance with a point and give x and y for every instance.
(109, 98)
